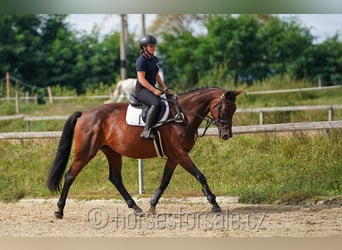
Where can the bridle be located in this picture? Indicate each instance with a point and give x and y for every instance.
(219, 121)
(219, 106)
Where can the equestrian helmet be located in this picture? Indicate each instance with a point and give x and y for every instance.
(147, 39)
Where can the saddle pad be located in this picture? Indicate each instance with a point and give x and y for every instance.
(134, 116)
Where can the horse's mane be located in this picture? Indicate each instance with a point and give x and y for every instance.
(197, 89)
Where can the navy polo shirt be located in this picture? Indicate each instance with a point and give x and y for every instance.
(150, 67)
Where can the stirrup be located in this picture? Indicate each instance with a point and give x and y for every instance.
(146, 133)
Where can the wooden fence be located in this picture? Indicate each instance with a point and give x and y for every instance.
(277, 91)
(29, 119)
(283, 127)
(261, 111)
(329, 108)
(11, 117)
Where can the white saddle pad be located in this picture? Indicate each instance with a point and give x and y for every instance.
(134, 115)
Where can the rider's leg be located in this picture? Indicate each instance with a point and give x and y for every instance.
(154, 102)
(150, 119)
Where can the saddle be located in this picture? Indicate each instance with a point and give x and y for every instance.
(137, 111)
(136, 116)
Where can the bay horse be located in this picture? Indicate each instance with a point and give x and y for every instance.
(104, 128)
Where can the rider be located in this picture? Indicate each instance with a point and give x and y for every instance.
(147, 77)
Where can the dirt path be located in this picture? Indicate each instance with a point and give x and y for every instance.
(175, 217)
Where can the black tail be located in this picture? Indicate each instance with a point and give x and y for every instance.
(63, 153)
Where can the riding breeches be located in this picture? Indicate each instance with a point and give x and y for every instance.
(147, 97)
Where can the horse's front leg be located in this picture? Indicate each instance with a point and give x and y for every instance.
(188, 165)
(167, 174)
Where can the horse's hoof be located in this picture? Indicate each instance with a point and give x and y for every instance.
(139, 213)
(152, 210)
(216, 210)
(58, 215)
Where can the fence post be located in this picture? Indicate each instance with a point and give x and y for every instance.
(330, 114)
(261, 118)
(28, 125)
(50, 95)
(8, 86)
(17, 102)
(141, 175)
(27, 97)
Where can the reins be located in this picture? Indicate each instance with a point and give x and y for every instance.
(180, 118)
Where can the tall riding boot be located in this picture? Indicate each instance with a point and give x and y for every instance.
(150, 118)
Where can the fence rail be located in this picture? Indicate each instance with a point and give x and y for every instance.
(261, 111)
(291, 108)
(291, 90)
(284, 127)
(29, 119)
(31, 135)
(11, 117)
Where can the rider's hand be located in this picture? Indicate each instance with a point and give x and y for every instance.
(157, 92)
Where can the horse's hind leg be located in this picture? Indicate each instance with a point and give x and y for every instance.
(69, 178)
(84, 152)
(167, 174)
(115, 165)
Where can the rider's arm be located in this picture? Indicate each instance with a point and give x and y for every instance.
(161, 83)
(145, 83)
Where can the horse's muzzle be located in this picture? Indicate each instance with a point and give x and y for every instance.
(226, 134)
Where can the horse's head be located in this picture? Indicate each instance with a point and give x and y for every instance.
(223, 111)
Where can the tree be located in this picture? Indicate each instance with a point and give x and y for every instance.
(43, 50)
(177, 47)
(236, 41)
(36, 48)
(59, 53)
(283, 42)
(179, 62)
(321, 62)
(19, 44)
(172, 24)
(248, 47)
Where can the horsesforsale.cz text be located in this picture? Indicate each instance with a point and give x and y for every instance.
(100, 218)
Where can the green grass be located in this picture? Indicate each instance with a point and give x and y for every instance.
(257, 168)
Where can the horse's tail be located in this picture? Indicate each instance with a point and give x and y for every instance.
(63, 153)
(117, 90)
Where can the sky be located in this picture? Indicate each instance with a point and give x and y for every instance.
(322, 26)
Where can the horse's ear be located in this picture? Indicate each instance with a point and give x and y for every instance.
(238, 92)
